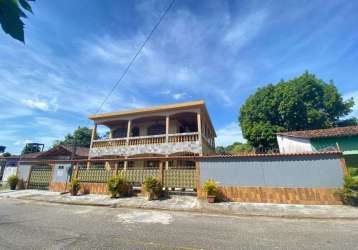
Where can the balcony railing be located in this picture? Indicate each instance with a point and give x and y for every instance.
(142, 140)
(117, 142)
(145, 140)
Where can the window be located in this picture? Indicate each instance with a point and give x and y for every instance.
(135, 131)
(156, 129)
(119, 133)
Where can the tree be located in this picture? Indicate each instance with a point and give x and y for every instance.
(6, 154)
(83, 137)
(305, 102)
(11, 12)
(235, 148)
(32, 148)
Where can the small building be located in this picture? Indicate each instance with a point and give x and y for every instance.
(344, 139)
(167, 130)
(44, 161)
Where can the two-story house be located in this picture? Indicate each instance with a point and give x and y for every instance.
(166, 130)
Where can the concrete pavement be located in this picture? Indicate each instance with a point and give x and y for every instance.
(39, 225)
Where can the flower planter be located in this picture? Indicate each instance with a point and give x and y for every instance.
(211, 198)
(74, 192)
(151, 196)
(13, 187)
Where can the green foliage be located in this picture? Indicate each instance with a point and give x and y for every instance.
(153, 186)
(83, 137)
(6, 154)
(353, 171)
(235, 148)
(12, 180)
(117, 185)
(349, 193)
(11, 12)
(74, 186)
(211, 187)
(31, 148)
(305, 102)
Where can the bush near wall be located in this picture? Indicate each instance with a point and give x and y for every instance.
(353, 171)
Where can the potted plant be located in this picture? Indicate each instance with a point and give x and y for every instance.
(118, 186)
(12, 180)
(152, 188)
(211, 188)
(74, 186)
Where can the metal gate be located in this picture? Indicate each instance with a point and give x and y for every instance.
(40, 177)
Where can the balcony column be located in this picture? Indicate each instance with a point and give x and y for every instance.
(198, 117)
(94, 132)
(167, 119)
(128, 131)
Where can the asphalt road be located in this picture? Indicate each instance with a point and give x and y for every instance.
(32, 225)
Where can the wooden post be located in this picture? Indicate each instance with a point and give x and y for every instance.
(125, 163)
(197, 177)
(116, 168)
(161, 172)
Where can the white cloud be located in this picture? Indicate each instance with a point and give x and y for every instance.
(229, 134)
(178, 96)
(36, 103)
(22, 142)
(244, 30)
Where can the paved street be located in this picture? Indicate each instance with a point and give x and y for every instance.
(28, 224)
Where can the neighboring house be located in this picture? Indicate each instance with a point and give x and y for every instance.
(182, 128)
(44, 160)
(344, 139)
(59, 152)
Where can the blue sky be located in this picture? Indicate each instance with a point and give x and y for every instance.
(219, 51)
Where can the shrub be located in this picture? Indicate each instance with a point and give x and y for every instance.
(74, 186)
(211, 187)
(117, 185)
(349, 193)
(353, 171)
(12, 180)
(152, 187)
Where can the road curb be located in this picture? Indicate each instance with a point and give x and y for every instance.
(193, 210)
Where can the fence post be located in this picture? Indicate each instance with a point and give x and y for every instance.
(161, 173)
(197, 176)
(342, 163)
(116, 168)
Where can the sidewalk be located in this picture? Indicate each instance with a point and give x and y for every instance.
(191, 204)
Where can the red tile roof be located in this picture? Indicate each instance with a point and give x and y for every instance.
(321, 133)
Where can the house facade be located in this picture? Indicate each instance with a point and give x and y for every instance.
(182, 128)
(344, 139)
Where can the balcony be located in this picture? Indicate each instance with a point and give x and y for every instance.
(154, 144)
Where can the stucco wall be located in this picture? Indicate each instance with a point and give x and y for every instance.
(60, 172)
(8, 171)
(24, 172)
(297, 171)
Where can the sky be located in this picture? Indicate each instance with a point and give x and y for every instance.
(218, 51)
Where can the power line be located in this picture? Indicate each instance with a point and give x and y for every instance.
(136, 55)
